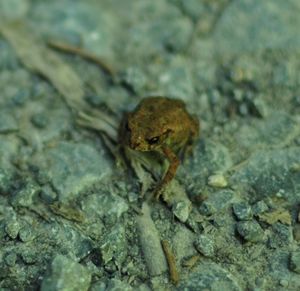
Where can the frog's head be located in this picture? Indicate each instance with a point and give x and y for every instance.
(145, 135)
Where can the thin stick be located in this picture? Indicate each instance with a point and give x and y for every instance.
(174, 275)
(82, 53)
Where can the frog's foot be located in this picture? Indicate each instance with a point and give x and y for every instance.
(158, 191)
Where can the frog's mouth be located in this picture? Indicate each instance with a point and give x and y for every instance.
(139, 146)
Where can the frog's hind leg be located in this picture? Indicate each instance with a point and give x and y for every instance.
(170, 174)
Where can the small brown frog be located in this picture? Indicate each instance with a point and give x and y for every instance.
(163, 125)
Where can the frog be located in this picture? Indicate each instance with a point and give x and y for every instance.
(161, 124)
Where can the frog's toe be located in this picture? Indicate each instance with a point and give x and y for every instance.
(157, 193)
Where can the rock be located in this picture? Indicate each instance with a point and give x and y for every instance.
(260, 25)
(98, 286)
(208, 158)
(250, 231)
(282, 236)
(10, 259)
(267, 172)
(182, 210)
(8, 123)
(25, 234)
(116, 285)
(177, 81)
(66, 275)
(77, 248)
(280, 268)
(242, 211)
(259, 207)
(209, 276)
(12, 228)
(83, 23)
(216, 202)
(29, 256)
(182, 243)
(5, 181)
(177, 199)
(295, 262)
(179, 34)
(166, 29)
(8, 59)
(113, 247)
(72, 166)
(284, 283)
(100, 205)
(217, 180)
(204, 245)
(39, 120)
(278, 129)
(193, 8)
(25, 195)
(9, 147)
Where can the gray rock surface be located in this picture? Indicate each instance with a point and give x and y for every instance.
(295, 262)
(66, 274)
(252, 25)
(234, 223)
(204, 245)
(250, 231)
(71, 167)
(216, 202)
(212, 277)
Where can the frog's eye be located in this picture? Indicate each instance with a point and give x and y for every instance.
(153, 140)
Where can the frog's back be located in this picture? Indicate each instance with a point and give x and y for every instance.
(164, 107)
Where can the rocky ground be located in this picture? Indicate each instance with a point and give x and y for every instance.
(72, 218)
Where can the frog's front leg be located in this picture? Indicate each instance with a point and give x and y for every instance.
(173, 165)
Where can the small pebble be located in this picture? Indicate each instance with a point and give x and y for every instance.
(281, 236)
(242, 211)
(29, 257)
(181, 210)
(10, 259)
(20, 98)
(8, 123)
(132, 197)
(204, 245)
(259, 207)
(216, 202)
(217, 180)
(25, 234)
(5, 181)
(250, 231)
(39, 120)
(295, 262)
(24, 196)
(12, 229)
(284, 282)
(66, 274)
